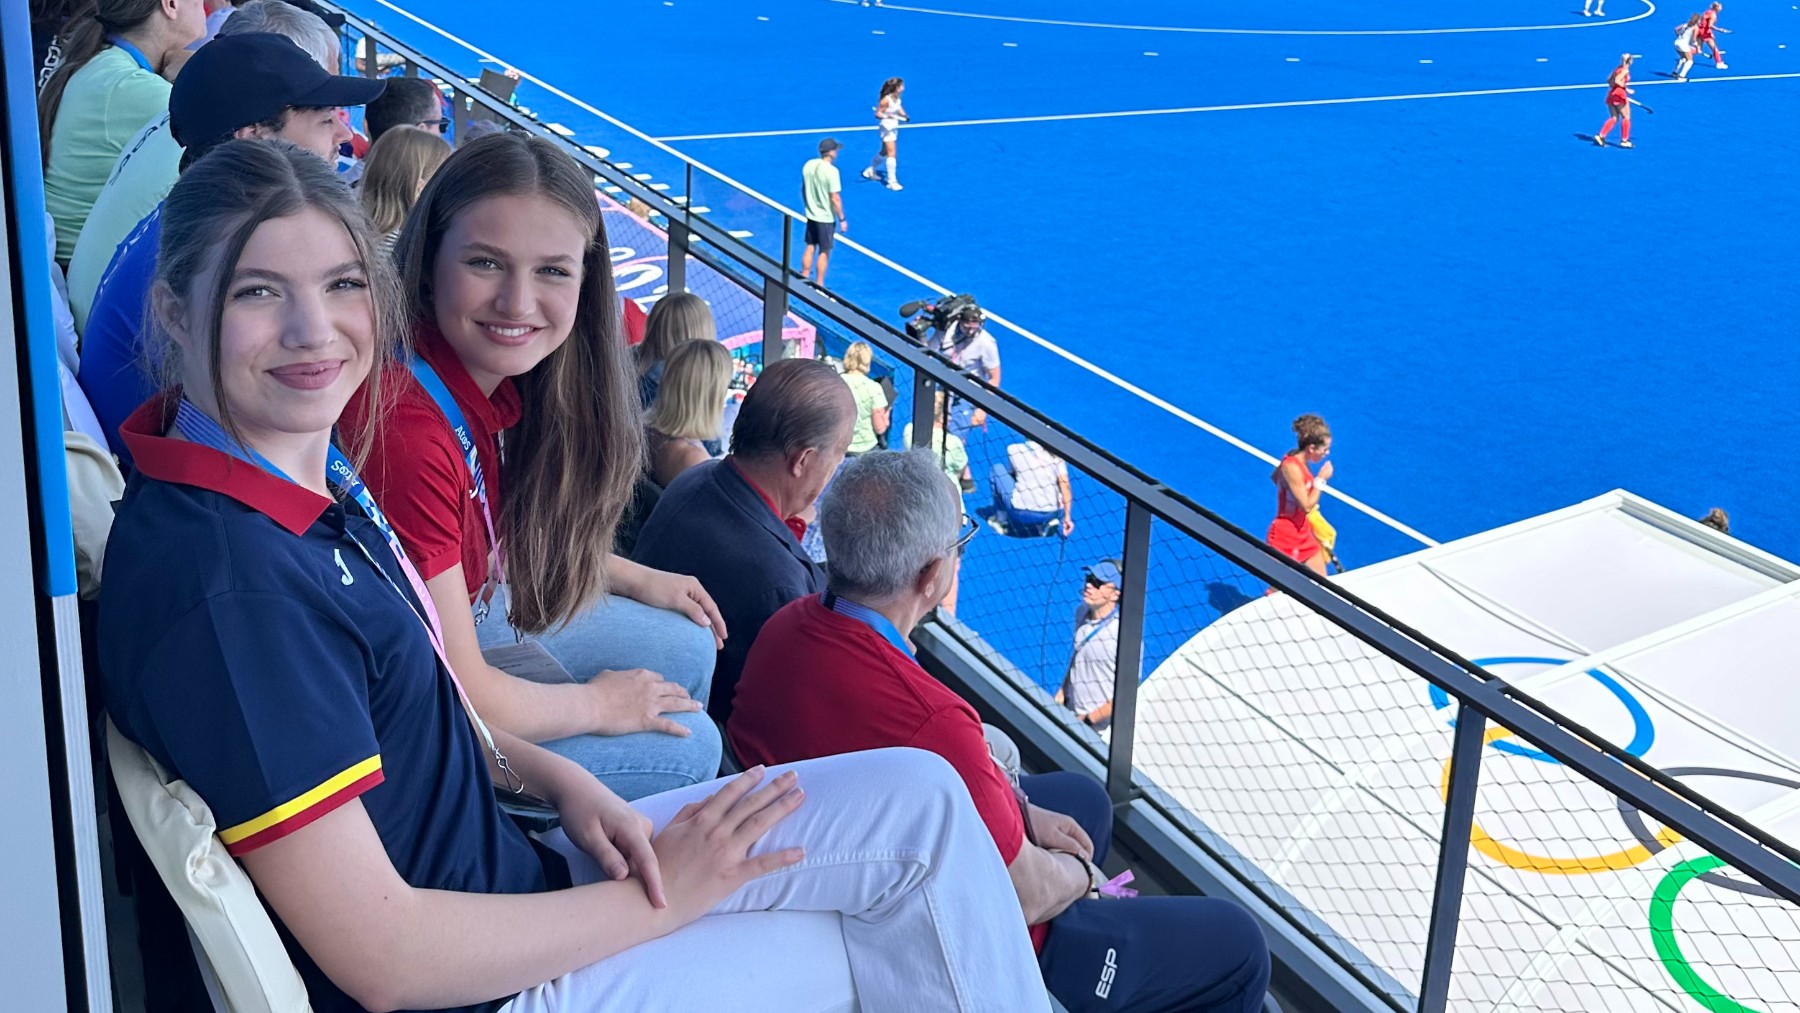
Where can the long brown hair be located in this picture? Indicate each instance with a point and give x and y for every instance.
(81, 39)
(572, 459)
(209, 217)
(888, 87)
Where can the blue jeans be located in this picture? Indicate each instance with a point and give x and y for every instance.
(1144, 954)
(619, 634)
(1018, 522)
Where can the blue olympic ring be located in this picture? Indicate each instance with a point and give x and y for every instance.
(1643, 729)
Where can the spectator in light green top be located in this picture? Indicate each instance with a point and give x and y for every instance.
(821, 190)
(948, 448)
(872, 415)
(117, 62)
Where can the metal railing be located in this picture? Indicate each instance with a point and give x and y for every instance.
(1301, 749)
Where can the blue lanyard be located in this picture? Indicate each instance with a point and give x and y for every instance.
(136, 54)
(873, 619)
(1091, 634)
(440, 394)
(201, 429)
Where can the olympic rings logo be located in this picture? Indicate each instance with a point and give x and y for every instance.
(1554, 865)
(1643, 730)
(1662, 933)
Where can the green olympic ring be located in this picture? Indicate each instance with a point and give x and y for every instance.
(1662, 935)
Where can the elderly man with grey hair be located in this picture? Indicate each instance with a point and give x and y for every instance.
(737, 524)
(834, 673)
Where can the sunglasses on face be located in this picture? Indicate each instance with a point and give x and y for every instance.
(441, 124)
(1095, 582)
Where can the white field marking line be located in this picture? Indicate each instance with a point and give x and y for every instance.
(1188, 110)
(919, 279)
(1650, 8)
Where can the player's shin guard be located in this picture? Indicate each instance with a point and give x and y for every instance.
(891, 176)
(1606, 128)
(1625, 131)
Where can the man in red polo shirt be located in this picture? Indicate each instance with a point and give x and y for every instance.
(833, 673)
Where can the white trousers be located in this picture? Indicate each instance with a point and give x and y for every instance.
(925, 916)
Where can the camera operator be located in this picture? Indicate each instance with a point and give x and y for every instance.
(967, 343)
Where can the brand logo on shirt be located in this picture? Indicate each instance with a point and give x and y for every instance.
(347, 579)
(1107, 973)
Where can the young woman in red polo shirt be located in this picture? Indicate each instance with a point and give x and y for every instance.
(286, 665)
(510, 450)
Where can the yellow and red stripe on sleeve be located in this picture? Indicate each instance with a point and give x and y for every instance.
(290, 816)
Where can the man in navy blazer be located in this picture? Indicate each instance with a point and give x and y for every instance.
(736, 524)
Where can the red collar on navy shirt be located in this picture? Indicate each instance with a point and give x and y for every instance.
(184, 463)
(500, 411)
(794, 524)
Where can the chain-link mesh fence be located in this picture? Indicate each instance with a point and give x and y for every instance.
(1312, 764)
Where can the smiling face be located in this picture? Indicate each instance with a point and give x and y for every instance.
(507, 283)
(296, 331)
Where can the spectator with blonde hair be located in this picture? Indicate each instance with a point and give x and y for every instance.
(676, 317)
(872, 414)
(394, 174)
(689, 410)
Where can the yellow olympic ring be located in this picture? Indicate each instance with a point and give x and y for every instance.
(1550, 865)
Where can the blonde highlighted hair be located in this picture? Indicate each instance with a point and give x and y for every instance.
(676, 317)
(691, 401)
(399, 163)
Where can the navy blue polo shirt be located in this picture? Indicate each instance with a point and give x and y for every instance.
(250, 647)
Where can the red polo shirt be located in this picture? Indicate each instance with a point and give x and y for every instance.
(818, 683)
(416, 467)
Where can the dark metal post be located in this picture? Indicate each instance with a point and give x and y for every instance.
(1453, 859)
(678, 236)
(412, 69)
(1130, 658)
(371, 56)
(678, 247)
(775, 301)
(459, 113)
(774, 314)
(924, 415)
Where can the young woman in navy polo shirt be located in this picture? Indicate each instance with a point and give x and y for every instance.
(262, 636)
(510, 453)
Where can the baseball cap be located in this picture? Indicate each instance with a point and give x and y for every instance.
(828, 145)
(1106, 572)
(236, 81)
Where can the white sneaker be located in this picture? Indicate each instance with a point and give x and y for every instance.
(1600, 141)
(895, 186)
(1625, 144)
(869, 173)
(1720, 66)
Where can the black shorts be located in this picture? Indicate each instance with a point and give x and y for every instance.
(821, 234)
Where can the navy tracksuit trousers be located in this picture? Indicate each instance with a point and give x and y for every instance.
(1144, 954)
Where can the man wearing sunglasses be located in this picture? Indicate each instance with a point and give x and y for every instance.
(1088, 683)
(834, 673)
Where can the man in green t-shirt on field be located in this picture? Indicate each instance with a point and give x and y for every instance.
(821, 190)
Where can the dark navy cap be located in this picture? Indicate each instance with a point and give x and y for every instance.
(237, 81)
